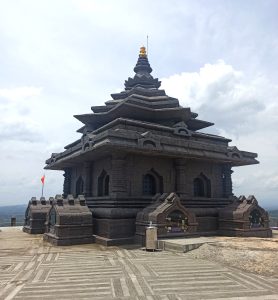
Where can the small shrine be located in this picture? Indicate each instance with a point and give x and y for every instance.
(69, 222)
(141, 157)
(36, 215)
(170, 217)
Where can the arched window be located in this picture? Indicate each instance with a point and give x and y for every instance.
(202, 186)
(103, 184)
(199, 189)
(152, 183)
(149, 185)
(106, 185)
(79, 186)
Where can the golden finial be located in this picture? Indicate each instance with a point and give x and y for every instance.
(143, 52)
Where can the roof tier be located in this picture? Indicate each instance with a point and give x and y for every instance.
(142, 100)
(142, 119)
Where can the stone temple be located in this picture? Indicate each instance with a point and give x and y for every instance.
(142, 158)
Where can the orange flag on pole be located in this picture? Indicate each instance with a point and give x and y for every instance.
(42, 179)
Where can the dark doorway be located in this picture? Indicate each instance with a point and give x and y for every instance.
(149, 185)
(79, 186)
(202, 186)
(103, 184)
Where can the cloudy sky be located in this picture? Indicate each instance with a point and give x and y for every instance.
(58, 58)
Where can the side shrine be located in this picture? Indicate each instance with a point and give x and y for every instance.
(141, 158)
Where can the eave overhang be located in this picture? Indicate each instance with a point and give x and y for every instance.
(110, 140)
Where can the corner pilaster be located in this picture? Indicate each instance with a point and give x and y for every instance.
(67, 182)
(118, 176)
(180, 167)
(88, 168)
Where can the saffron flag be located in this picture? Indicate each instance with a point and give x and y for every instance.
(42, 179)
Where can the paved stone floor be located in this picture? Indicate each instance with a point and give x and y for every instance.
(32, 269)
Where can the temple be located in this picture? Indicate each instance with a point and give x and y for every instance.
(142, 158)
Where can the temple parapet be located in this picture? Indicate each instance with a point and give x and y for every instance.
(36, 214)
(69, 222)
(244, 217)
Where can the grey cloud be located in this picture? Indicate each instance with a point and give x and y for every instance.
(19, 131)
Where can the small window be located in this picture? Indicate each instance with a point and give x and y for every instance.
(199, 189)
(202, 186)
(106, 185)
(79, 186)
(103, 184)
(149, 185)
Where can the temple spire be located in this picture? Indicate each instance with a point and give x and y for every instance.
(143, 77)
(143, 52)
(143, 65)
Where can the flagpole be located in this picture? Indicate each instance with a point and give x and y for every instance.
(42, 180)
(42, 189)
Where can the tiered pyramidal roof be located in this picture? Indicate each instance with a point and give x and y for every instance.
(142, 100)
(143, 119)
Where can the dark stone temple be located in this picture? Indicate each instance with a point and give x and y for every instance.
(142, 158)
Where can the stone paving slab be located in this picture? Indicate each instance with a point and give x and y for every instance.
(33, 269)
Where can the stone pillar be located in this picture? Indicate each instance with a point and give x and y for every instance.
(67, 182)
(118, 183)
(227, 181)
(88, 167)
(180, 167)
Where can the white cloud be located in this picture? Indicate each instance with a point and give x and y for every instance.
(243, 109)
(15, 108)
(20, 93)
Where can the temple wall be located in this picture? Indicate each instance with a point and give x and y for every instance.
(137, 166)
(76, 172)
(212, 171)
(99, 166)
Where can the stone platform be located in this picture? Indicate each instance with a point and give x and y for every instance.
(33, 269)
(186, 244)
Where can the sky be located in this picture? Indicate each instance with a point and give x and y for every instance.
(59, 58)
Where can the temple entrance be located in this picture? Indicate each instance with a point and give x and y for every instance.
(176, 222)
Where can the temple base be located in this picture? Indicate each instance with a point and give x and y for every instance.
(113, 242)
(31, 230)
(56, 241)
(260, 233)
